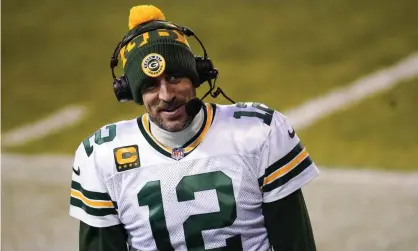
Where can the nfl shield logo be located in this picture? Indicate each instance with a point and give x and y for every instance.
(177, 153)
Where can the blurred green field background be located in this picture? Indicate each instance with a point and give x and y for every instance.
(280, 53)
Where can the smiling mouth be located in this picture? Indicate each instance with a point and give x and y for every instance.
(171, 109)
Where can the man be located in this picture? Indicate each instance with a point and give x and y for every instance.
(225, 177)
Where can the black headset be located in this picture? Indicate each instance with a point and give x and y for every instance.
(204, 65)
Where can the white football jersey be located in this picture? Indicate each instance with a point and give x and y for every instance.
(206, 195)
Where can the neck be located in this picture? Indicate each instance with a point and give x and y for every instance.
(178, 139)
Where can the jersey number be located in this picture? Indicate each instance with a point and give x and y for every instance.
(150, 195)
(98, 139)
(266, 117)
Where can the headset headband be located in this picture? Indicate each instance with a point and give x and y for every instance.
(204, 65)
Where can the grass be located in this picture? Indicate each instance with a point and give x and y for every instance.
(276, 52)
(378, 133)
(35, 210)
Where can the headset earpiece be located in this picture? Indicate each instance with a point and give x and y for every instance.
(120, 85)
(205, 69)
(122, 90)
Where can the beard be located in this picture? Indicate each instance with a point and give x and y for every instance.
(158, 120)
(160, 123)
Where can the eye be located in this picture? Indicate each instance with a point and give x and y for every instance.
(174, 78)
(148, 85)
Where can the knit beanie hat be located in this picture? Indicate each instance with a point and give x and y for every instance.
(152, 53)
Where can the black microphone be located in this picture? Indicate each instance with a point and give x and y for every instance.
(193, 107)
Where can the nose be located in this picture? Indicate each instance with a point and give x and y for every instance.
(166, 92)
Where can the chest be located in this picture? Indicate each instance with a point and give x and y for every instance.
(184, 200)
(187, 185)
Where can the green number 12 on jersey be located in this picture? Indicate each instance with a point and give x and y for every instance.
(150, 195)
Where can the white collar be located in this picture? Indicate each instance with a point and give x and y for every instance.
(178, 139)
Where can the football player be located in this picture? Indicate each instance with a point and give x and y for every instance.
(187, 175)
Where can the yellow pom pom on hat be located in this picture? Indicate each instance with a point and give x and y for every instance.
(155, 52)
(144, 13)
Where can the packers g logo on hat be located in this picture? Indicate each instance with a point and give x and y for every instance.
(153, 65)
